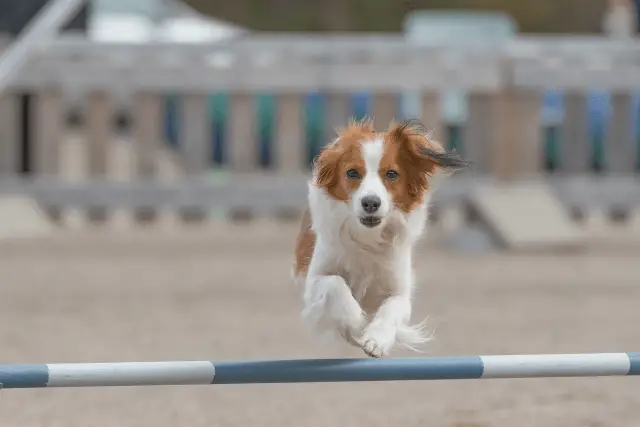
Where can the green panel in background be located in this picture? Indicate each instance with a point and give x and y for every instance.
(599, 114)
(597, 149)
(264, 116)
(218, 112)
(551, 117)
(551, 153)
(454, 138)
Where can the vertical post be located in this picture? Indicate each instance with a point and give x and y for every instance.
(9, 134)
(481, 130)
(48, 133)
(9, 130)
(431, 114)
(290, 137)
(147, 111)
(196, 146)
(48, 129)
(385, 108)
(99, 135)
(337, 114)
(576, 148)
(242, 134)
(621, 148)
(517, 153)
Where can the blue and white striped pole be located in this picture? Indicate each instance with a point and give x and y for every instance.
(318, 370)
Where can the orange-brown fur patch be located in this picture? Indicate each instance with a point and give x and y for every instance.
(335, 160)
(402, 152)
(305, 244)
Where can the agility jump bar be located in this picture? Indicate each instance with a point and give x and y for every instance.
(317, 370)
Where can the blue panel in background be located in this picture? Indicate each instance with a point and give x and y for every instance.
(361, 105)
(598, 108)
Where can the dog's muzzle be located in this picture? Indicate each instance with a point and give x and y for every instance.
(370, 221)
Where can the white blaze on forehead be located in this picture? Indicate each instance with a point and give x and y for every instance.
(372, 185)
(372, 152)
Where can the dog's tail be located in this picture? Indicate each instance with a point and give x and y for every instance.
(414, 336)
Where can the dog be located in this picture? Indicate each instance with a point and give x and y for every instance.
(367, 207)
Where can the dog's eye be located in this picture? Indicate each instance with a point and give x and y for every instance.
(391, 174)
(353, 174)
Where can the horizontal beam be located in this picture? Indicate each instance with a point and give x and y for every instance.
(273, 71)
(318, 370)
(269, 192)
(572, 75)
(340, 63)
(301, 77)
(343, 46)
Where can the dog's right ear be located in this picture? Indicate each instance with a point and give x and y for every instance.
(326, 165)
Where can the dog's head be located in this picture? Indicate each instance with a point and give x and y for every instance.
(376, 173)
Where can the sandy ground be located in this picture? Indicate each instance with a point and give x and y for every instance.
(226, 294)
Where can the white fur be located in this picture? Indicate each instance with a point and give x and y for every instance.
(371, 184)
(355, 269)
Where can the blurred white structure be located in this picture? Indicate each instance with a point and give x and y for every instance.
(620, 19)
(155, 20)
(147, 21)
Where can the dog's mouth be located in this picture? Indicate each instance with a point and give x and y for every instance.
(370, 221)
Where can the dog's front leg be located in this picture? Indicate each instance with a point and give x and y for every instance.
(390, 325)
(330, 305)
(381, 334)
(328, 301)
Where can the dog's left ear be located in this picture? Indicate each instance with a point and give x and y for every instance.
(425, 153)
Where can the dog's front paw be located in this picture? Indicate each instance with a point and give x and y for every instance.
(378, 340)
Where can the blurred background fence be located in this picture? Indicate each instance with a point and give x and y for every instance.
(194, 116)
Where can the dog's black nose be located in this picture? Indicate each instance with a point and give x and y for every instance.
(370, 204)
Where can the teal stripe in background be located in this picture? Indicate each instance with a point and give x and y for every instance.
(264, 116)
(218, 107)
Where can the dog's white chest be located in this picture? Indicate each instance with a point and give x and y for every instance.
(368, 275)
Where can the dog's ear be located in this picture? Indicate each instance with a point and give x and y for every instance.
(326, 166)
(421, 151)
